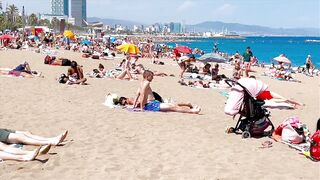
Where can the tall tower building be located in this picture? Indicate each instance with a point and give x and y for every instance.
(79, 11)
(1, 6)
(60, 7)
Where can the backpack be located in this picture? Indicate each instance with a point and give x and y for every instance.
(62, 78)
(315, 146)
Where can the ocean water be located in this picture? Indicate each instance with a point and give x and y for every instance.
(264, 48)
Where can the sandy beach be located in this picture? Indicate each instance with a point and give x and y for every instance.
(106, 143)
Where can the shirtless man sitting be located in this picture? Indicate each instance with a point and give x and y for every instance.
(75, 74)
(148, 102)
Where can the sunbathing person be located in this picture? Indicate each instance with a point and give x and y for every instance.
(139, 69)
(10, 153)
(22, 70)
(148, 102)
(75, 74)
(206, 70)
(24, 137)
(98, 73)
(57, 61)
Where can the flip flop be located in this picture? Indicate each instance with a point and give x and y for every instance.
(266, 144)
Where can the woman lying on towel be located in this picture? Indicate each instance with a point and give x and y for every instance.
(22, 70)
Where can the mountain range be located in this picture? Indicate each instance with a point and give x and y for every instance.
(218, 26)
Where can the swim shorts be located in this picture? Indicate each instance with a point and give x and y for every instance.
(152, 106)
(66, 62)
(4, 134)
(265, 95)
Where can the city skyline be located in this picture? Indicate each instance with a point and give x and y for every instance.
(271, 13)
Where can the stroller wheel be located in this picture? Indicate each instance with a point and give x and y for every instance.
(230, 130)
(246, 134)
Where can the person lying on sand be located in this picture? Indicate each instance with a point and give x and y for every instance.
(22, 70)
(204, 84)
(148, 102)
(139, 69)
(57, 61)
(24, 137)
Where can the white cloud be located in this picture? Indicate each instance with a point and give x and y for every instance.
(185, 6)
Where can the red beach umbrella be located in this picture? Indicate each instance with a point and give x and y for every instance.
(6, 36)
(184, 49)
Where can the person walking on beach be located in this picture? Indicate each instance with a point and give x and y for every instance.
(184, 62)
(309, 65)
(247, 60)
(148, 102)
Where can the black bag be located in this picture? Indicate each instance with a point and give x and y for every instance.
(62, 78)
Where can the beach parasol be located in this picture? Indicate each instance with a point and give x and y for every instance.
(6, 36)
(212, 57)
(183, 49)
(282, 59)
(68, 34)
(129, 48)
(86, 42)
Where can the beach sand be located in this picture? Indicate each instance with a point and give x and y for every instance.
(106, 143)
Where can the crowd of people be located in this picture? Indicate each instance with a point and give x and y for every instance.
(208, 76)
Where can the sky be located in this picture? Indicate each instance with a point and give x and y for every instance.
(270, 13)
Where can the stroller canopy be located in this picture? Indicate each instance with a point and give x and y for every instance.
(236, 96)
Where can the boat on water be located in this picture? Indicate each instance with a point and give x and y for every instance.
(313, 40)
(227, 35)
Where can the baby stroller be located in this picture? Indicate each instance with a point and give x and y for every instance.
(254, 119)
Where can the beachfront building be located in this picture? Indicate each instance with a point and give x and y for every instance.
(79, 11)
(175, 27)
(60, 7)
(1, 9)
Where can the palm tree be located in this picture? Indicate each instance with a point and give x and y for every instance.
(33, 20)
(55, 23)
(12, 13)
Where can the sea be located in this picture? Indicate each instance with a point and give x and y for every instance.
(264, 48)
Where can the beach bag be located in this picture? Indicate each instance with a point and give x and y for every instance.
(289, 130)
(315, 146)
(157, 97)
(258, 127)
(61, 79)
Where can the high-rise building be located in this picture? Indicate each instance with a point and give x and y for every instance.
(79, 11)
(1, 7)
(175, 27)
(60, 7)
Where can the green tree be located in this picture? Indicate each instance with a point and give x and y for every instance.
(55, 23)
(33, 20)
(12, 13)
(44, 22)
(2, 22)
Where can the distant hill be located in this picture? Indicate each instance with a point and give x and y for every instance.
(217, 26)
(112, 22)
